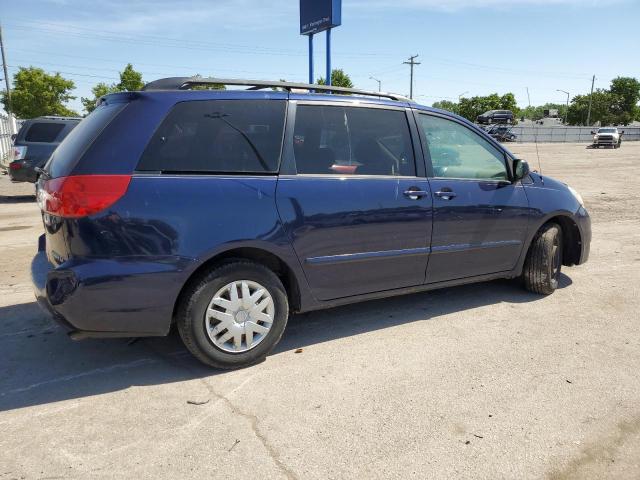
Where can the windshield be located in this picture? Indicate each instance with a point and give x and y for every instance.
(607, 130)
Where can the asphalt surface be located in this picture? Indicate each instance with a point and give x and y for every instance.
(478, 382)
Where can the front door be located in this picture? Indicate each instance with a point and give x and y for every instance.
(480, 217)
(357, 214)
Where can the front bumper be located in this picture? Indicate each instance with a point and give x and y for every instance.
(97, 298)
(583, 220)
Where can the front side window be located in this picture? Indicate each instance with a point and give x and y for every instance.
(458, 152)
(218, 136)
(352, 141)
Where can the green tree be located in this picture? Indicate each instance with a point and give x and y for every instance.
(536, 113)
(446, 105)
(601, 108)
(36, 93)
(338, 79)
(130, 81)
(618, 105)
(470, 108)
(627, 92)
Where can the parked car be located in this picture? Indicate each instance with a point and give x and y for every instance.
(502, 133)
(223, 211)
(607, 137)
(495, 116)
(35, 142)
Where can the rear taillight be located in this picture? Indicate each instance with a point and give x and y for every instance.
(15, 166)
(18, 153)
(82, 195)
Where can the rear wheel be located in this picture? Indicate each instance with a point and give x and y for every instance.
(234, 315)
(544, 261)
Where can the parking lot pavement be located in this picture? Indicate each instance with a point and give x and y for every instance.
(480, 382)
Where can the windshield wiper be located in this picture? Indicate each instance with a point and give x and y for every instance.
(220, 116)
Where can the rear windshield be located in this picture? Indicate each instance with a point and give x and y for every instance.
(218, 136)
(43, 132)
(68, 153)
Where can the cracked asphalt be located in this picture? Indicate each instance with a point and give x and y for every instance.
(477, 382)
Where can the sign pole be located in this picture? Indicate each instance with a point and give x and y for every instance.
(328, 81)
(311, 82)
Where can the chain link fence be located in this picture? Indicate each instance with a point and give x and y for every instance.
(6, 130)
(540, 134)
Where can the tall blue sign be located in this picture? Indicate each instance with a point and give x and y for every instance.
(317, 16)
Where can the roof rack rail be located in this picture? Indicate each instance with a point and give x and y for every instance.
(183, 83)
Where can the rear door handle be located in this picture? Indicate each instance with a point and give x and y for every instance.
(446, 194)
(415, 194)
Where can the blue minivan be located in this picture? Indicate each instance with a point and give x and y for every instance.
(223, 211)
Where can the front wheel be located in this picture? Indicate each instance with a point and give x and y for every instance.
(544, 261)
(234, 315)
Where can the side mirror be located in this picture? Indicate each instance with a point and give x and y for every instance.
(520, 169)
(592, 132)
(14, 136)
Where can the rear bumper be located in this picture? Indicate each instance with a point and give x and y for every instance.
(26, 172)
(109, 297)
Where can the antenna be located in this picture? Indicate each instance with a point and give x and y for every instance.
(535, 140)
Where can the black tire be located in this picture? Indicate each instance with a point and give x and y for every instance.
(190, 316)
(544, 261)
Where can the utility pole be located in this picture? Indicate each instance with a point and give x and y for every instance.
(528, 96)
(411, 62)
(593, 81)
(379, 83)
(6, 83)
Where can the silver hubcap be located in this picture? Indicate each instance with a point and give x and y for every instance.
(239, 316)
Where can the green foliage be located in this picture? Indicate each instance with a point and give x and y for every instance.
(212, 86)
(616, 106)
(627, 90)
(470, 108)
(446, 105)
(601, 108)
(130, 81)
(338, 79)
(537, 113)
(36, 93)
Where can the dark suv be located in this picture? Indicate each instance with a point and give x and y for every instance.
(224, 211)
(34, 144)
(495, 116)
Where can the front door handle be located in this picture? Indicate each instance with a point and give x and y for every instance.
(414, 193)
(446, 194)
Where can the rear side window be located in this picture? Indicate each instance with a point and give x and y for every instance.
(68, 153)
(43, 132)
(218, 136)
(352, 140)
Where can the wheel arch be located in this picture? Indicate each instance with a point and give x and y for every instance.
(571, 238)
(258, 255)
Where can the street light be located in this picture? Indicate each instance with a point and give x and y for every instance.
(460, 96)
(379, 83)
(566, 114)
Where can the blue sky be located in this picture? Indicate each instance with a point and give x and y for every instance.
(471, 47)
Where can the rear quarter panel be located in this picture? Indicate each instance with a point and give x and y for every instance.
(147, 245)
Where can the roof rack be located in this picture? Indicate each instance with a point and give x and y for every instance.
(183, 83)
